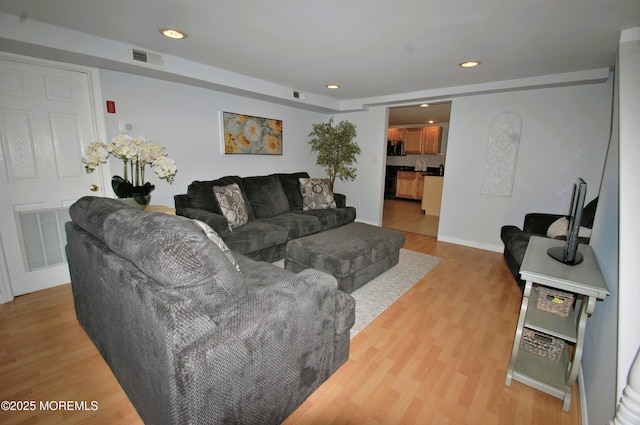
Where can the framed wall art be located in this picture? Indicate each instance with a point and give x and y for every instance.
(501, 154)
(246, 134)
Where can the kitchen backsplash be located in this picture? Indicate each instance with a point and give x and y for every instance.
(410, 160)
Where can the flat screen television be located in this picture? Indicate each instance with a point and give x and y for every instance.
(569, 253)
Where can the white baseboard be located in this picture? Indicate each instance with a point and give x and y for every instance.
(472, 244)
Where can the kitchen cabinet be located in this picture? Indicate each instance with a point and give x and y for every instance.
(395, 134)
(419, 186)
(431, 139)
(432, 195)
(409, 185)
(413, 141)
(406, 185)
(418, 140)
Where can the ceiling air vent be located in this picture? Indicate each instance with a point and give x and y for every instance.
(147, 57)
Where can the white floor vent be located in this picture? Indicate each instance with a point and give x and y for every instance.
(43, 237)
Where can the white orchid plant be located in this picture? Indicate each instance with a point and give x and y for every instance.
(136, 153)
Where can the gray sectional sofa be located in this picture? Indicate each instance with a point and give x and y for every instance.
(196, 333)
(275, 209)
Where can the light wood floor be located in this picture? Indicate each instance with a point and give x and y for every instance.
(438, 355)
(407, 215)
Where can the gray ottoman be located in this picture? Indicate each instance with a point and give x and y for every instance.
(354, 254)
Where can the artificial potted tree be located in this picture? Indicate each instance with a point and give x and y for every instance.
(336, 149)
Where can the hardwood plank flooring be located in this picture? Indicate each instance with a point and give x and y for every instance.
(406, 215)
(438, 355)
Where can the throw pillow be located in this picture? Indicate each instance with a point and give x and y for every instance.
(232, 205)
(559, 229)
(316, 194)
(216, 239)
(266, 196)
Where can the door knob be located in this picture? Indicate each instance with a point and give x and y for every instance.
(94, 188)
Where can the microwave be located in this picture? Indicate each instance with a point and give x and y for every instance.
(395, 148)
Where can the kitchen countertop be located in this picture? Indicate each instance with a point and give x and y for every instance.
(431, 171)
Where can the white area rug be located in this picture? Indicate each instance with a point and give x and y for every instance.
(376, 296)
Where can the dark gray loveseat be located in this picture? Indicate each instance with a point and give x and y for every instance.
(516, 240)
(191, 339)
(275, 207)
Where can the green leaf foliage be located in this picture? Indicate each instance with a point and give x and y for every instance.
(125, 189)
(336, 150)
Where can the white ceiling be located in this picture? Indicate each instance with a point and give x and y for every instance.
(438, 113)
(370, 47)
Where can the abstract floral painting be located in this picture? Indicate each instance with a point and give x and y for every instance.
(246, 134)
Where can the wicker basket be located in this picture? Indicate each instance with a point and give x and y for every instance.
(554, 301)
(542, 344)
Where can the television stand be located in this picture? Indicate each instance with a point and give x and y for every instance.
(557, 253)
(585, 281)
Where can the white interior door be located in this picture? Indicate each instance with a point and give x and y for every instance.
(47, 117)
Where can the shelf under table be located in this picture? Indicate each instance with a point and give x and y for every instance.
(549, 374)
(552, 324)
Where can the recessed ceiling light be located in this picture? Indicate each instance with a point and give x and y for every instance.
(469, 64)
(424, 105)
(173, 33)
(431, 121)
(333, 86)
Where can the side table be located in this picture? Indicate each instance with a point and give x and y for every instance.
(160, 209)
(585, 281)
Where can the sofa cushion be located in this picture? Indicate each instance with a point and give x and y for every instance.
(202, 197)
(90, 212)
(332, 217)
(266, 196)
(232, 204)
(297, 225)
(174, 252)
(258, 274)
(515, 241)
(216, 239)
(291, 185)
(316, 194)
(256, 235)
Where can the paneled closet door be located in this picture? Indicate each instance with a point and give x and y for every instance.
(47, 118)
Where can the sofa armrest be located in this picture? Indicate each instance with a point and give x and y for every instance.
(182, 200)
(215, 221)
(341, 200)
(538, 223)
(271, 350)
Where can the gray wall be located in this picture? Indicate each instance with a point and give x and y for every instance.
(186, 120)
(600, 347)
(554, 150)
(558, 143)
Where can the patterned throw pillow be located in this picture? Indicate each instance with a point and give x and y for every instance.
(232, 204)
(316, 194)
(215, 238)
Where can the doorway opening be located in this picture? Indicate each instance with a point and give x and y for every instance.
(416, 158)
